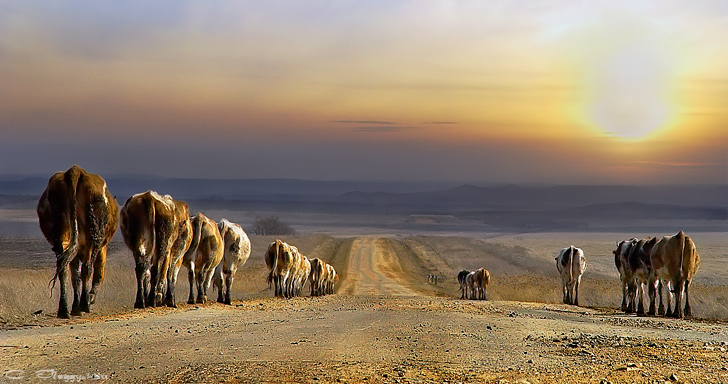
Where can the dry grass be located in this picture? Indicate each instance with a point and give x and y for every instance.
(522, 267)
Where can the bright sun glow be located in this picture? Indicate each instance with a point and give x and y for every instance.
(631, 88)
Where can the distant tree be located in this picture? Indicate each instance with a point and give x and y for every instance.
(271, 225)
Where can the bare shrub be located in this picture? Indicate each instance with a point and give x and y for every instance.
(271, 226)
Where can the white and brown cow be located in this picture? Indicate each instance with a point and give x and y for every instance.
(203, 256)
(78, 216)
(151, 225)
(301, 274)
(626, 273)
(476, 284)
(331, 279)
(462, 280)
(236, 253)
(641, 267)
(675, 260)
(319, 274)
(571, 265)
(285, 259)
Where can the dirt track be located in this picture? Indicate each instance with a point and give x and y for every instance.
(382, 326)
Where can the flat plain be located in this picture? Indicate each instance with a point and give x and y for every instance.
(386, 322)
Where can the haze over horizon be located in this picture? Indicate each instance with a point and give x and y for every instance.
(524, 92)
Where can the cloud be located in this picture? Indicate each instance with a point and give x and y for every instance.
(383, 129)
(364, 122)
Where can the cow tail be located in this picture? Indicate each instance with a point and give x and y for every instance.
(275, 265)
(682, 250)
(65, 257)
(196, 234)
(572, 251)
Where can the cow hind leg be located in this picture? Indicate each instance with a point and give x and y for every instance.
(200, 281)
(678, 311)
(143, 276)
(76, 282)
(169, 298)
(98, 276)
(153, 279)
(660, 288)
(191, 281)
(85, 299)
(576, 291)
(62, 301)
(688, 311)
(228, 286)
(218, 282)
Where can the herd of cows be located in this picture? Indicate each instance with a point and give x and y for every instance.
(661, 265)
(79, 217)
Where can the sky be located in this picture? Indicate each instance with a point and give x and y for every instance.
(502, 91)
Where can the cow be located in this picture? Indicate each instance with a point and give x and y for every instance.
(301, 274)
(285, 258)
(179, 248)
(203, 256)
(461, 280)
(319, 275)
(235, 254)
(331, 279)
(571, 265)
(483, 279)
(78, 217)
(151, 225)
(675, 260)
(477, 282)
(641, 268)
(626, 274)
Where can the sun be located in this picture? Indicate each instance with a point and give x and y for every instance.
(630, 96)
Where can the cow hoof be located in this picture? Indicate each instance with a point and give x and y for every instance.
(76, 312)
(63, 315)
(139, 305)
(190, 301)
(221, 300)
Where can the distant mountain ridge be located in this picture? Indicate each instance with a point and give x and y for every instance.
(464, 196)
(497, 207)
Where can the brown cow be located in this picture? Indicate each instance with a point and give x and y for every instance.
(236, 253)
(282, 266)
(78, 216)
(275, 250)
(151, 225)
(203, 255)
(675, 260)
(179, 248)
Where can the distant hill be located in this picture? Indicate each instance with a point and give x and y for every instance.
(497, 206)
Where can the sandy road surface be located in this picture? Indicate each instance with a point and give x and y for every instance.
(381, 327)
(374, 269)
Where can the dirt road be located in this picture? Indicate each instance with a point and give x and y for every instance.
(382, 326)
(374, 269)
